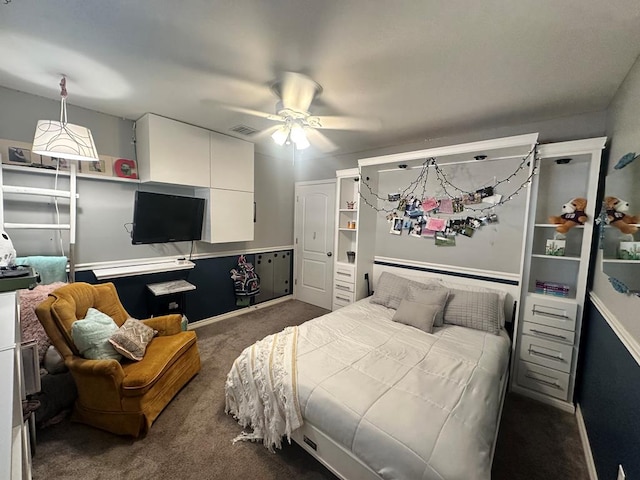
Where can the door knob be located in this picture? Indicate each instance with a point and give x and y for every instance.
(329, 254)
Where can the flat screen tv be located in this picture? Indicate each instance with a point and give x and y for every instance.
(162, 218)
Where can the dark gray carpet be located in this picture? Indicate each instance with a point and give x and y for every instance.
(192, 437)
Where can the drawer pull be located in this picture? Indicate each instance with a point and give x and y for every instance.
(342, 287)
(552, 335)
(545, 355)
(342, 298)
(548, 314)
(545, 382)
(346, 274)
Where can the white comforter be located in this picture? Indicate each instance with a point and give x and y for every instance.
(410, 405)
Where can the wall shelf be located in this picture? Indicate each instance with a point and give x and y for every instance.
(555, 257)
(133, 270)
(553, 225)
(65, 173)
(620, 260)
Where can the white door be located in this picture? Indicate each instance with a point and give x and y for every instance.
(314, 235)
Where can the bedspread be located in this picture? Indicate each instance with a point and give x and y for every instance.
(409, 404)
(260, 391)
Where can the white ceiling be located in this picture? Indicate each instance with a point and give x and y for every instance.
(424, 68)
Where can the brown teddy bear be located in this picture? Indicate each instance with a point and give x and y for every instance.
(617, 217)
(572, 215)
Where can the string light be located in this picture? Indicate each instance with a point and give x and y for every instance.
(446, 184)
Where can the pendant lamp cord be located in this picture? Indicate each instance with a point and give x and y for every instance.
(63, 121)
(63, 101)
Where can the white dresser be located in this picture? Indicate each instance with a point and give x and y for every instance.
(15, 450)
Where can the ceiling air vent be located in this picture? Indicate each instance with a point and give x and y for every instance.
(244, 130)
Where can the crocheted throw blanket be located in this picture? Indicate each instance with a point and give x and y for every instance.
(261, 390)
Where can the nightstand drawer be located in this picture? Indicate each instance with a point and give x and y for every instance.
(555, 313)
(544, 380)
(343, 287)
(343, 297)
(344, 273)
(548, 354)
(548, 333)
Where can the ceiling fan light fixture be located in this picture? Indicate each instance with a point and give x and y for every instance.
(280, 135)
(299, 137)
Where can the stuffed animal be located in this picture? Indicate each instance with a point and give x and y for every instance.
(572, 215)
(617, 217)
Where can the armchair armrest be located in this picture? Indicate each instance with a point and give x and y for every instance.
(165, 324)
(98, 381)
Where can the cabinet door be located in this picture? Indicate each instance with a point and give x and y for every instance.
(231, 163)
(172, 152)
(230, 216)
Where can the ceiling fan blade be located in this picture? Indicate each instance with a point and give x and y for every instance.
(267, 132)
(344, 123)
(297, 91)
(319, 141)
(255, 113)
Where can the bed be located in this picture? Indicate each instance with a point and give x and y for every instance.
(376, 398)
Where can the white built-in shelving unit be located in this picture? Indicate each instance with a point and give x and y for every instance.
(547, 336)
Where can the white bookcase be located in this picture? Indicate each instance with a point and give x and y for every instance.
(353, 223)
(547, 337)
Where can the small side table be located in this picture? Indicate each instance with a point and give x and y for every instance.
(168, 297)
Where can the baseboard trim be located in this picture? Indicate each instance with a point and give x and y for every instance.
(554, 402)
(236, 313)
(586, 446)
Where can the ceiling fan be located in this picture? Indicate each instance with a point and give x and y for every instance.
(296, 123)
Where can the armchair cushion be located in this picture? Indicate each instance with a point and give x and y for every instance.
(91, 336)
(132, 338)
(161, 355)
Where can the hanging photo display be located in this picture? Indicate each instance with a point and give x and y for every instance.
(442, 217)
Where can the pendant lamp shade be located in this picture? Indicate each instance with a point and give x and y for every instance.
(64, 140)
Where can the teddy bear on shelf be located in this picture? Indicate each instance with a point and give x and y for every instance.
(572, 215)
(617, 217)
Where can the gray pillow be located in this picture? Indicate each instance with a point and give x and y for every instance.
(478, 310)
(416, 314)
(391, 289)
(433, 297)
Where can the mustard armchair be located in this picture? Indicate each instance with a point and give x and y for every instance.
(120, 397)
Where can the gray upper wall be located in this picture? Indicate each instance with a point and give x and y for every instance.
(106, 207)
(623, 129)
(19, 113)
(555, 130)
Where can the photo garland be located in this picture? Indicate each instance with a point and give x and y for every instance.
(417, 213)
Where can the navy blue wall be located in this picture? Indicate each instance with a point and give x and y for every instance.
(214, 294)
(609, 396)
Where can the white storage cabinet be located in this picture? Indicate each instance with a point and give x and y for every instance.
(548, 332)
(172, 152)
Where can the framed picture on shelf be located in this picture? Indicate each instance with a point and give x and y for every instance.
(103, 166)
(52, 163)
(18, 153)
(125, 168)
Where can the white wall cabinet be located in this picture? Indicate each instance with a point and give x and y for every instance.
(548, 331)
(172, 152)
(228, 215)
(231, 163)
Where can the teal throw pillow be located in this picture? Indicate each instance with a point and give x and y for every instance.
(91, 336)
